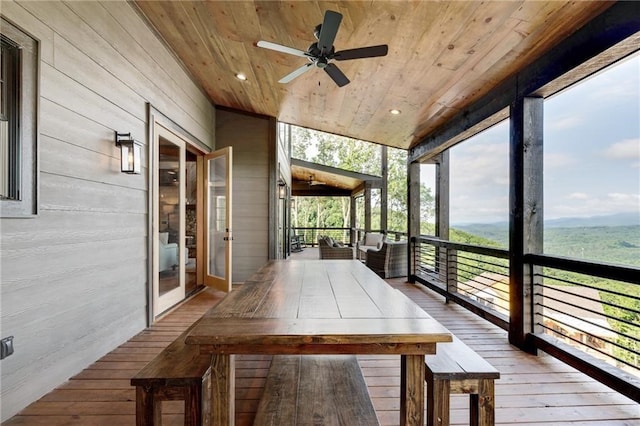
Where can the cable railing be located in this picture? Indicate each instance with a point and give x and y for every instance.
(309, 235)
(592, 307)
(586, 314)
(473, 276)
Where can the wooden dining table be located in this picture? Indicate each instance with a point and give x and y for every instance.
(317, 307)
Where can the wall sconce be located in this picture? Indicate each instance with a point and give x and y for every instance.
(130, 153)
(282, 189)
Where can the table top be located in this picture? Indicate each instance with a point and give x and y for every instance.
(317, 306)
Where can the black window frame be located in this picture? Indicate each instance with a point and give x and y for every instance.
(20, 110)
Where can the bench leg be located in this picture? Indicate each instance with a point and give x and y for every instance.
(412, 370)
(438, 393)
(222, 400)
(147, 408)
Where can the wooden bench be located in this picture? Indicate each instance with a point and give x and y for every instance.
(315, 389)
(458, 369)
(179, 372)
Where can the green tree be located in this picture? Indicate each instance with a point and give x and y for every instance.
(359, 156)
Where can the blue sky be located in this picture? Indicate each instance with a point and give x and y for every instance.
(591, 154)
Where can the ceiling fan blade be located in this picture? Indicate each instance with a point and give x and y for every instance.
(281, 48)
(328, 31)
(361, 52)
(336, 75)
(287, 78)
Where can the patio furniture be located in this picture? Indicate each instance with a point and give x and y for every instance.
(458, 369)
(179, 372)
(370, 241)
(296, 244)
(331, 249)
(313, 307)
(296, 383)
(390, 261)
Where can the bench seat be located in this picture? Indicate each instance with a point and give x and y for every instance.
(458, 369)
(315, 389)
(179, 372)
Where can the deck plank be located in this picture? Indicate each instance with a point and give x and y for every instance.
(532, 389)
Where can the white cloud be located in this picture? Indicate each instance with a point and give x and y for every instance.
(579, 204)
(628, 149)
(578, 196)
(558, 160)
(563, 123)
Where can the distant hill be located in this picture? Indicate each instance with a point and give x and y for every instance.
(620, 219)
(613, 238)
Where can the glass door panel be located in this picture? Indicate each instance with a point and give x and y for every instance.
(170, 252)
(218, 219)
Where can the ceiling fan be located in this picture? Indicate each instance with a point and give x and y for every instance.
(322, 52)
(313, 182)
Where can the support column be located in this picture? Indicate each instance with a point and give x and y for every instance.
(367, 206)
(352, 220)
(413, 216)
(526, 214)
(384, 190)
(446, 264)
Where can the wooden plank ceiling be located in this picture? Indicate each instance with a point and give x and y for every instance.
(442, 56)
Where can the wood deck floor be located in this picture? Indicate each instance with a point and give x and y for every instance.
(531, 391)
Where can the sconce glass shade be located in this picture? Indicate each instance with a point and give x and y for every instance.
(130, 153)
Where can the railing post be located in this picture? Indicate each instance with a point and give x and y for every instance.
(452, 271)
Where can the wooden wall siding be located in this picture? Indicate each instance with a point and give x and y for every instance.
(73, 279)
(249, 137)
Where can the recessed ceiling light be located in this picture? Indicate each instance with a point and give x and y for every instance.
(394, 111)
(241, 77)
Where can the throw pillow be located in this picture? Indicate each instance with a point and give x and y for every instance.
(372, 239)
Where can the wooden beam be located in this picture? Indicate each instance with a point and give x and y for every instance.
(616, 24)
(334, 170)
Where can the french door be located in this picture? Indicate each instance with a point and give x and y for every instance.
(170, 255)
(218, 231)
(192, 195)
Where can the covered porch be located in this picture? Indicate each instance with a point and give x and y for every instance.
(532, 389)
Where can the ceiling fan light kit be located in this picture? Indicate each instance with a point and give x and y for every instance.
(322, 52)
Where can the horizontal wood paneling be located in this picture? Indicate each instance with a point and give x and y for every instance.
(249, 137)
(74, 277)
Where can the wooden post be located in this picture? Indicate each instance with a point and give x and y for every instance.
(442, 218)
(384, 190)
(413, 216)
(352, 220)
(526, 215)
(367, 206)
(274, 172)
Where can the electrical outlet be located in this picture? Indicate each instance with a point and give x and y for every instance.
(6, 347)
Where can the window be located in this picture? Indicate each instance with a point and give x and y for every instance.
(18, 95)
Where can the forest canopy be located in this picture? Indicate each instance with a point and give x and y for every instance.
(357, 156)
